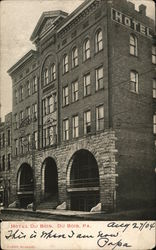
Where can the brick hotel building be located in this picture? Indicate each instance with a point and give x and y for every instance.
(84, 110)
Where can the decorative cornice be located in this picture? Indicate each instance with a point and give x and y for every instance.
(49, 14)
(80, 13)
(24, 59)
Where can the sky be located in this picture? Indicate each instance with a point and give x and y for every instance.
(18, 19)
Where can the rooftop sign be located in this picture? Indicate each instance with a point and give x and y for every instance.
(131, 23)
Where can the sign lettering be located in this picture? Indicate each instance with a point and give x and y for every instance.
(131, 23)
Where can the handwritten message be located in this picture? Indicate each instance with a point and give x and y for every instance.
(78, 235)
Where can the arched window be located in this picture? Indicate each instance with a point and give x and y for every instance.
(98, 41)
(53, 72)
(74, 57)
(133, 45)
(65, 63)
(46, 78)
(86, 49)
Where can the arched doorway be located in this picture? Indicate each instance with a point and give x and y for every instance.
(25, 185)
(49, 179)
(84, 181)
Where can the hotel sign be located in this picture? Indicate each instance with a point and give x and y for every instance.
(131, 23)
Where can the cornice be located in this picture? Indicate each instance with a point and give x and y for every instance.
(24, 59)
(79, 15)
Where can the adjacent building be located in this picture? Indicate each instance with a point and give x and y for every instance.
(83, 118)
(5, 159)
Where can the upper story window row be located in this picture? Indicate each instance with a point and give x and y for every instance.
(86, 47)
(49, 74)
(87, 84)
(25, 90)
(5, 139)
(49, 104)
(133, 47)
(87, 123)
(24, 118)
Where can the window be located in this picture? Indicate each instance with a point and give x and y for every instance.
(28, 113)
(74, 57)
(75, 91)
(66, 130)
(134, 84)
(16, 146)
(9, 138)
(16, 121)
(87, 122)
(86, 49)
(34, 84)
(100, 118)
(46, 77)
(154, 123)
(35, 140)
(98, 41)
(133, 45)
(87, 85)
(154, 54)
(53, 72)
(65, 63)
(21, 93)
(44, 106)
(28, 142)
(21, 143)
(154, 88)
(16, 96)
(21, 117)
(99, 78)
(65, 96)
(3, 163)
(34, 111)
(28, 88)
(49, 136)
(75, 126)
(9, 160)
(50, 104)
(3, 140)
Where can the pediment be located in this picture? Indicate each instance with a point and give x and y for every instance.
(46, 22)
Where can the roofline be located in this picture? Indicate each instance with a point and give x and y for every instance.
(76, 12)
(21, 61)
(54, 13)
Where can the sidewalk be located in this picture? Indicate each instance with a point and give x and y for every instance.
(142, 214)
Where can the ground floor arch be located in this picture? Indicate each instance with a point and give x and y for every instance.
(83, 181)
(49, 179)
(25, 185)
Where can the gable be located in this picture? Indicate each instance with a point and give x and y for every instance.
(46, 22)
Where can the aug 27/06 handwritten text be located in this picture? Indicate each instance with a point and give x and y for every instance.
(105, 235)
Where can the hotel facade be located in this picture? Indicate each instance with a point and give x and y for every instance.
(84, 110)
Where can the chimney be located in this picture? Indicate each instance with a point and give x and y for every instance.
(142, 9)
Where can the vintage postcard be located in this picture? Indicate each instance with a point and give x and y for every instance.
(78, 124)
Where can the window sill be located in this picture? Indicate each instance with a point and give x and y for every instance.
(133, 92)
(63, 106)
(86, 95)
(96, 53)
(74, 67)
(98, 90)
(86, 60)
(75, 101)
(135, 56)
(65, 72)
